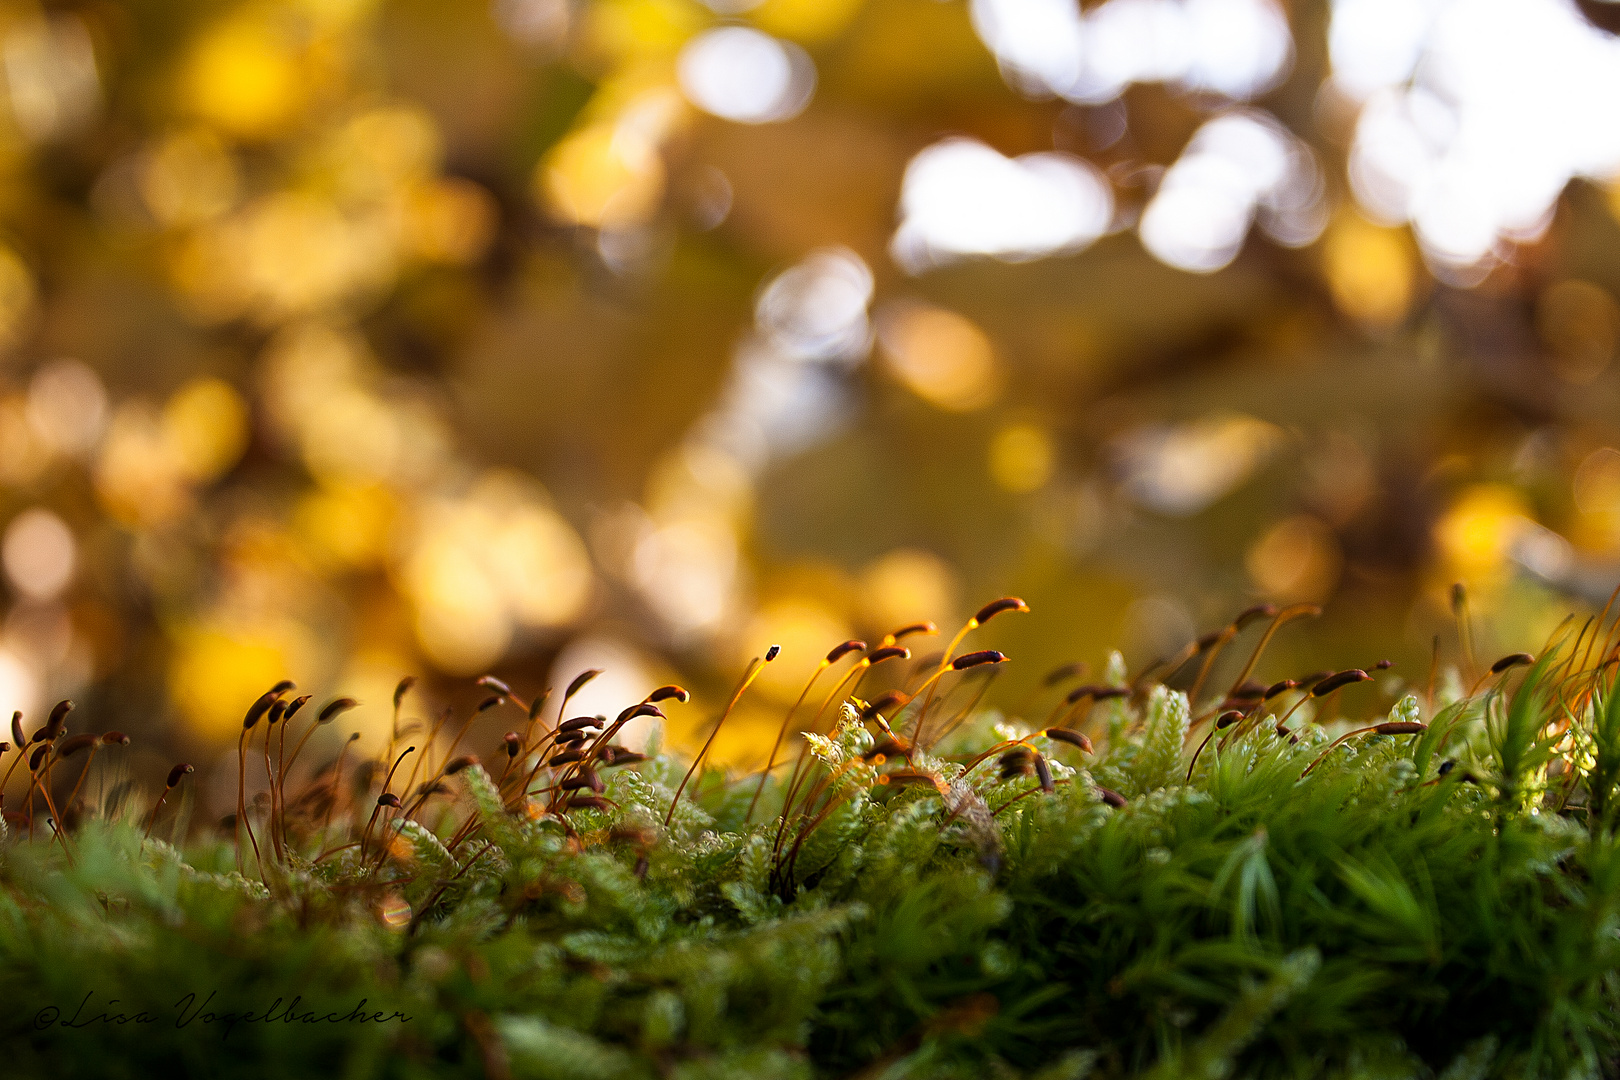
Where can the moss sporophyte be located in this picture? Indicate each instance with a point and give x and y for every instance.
(1199, 869)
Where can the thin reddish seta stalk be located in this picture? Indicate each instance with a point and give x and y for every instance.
(59, 827)
(1434, 673)
(967, 710)
(42, 780)
(278, 800)
(1222, 637)
(425, 758)
(90, 760)
(1602, 618)
(573, 688)
(535, 708)
(389, 779)
(22, 752)
(270, 817)
(852, 678)
(754, 668)
(825, 784)
(929, 684)
(241, 802)
(770, 762)
(337, 789)
(984, 615)
(1286, 615)
(1465, 628)
(1336, 743)
(152, 818)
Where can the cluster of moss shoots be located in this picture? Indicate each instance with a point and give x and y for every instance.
(1111, 878)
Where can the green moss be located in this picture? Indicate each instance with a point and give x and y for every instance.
(1434, 903)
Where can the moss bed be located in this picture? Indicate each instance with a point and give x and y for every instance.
(1124, 883)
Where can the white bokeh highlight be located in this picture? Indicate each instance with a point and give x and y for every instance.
(1236, 48)
(1475, 114)
(1240, 167)
(961, 198)
(38, 553)
(740, 74)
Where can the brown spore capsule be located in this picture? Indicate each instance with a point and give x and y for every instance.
(1228, 718)
(1400, 727)
(176, 773)
(334, 708)
(1063, 672)
(494, 684)
(73, 745)
(977, 659)
(298, 703)
(1278, 688)
(996, 607)
(1015, 762)
(578, 723)
(670, 690)
(1513, 660)
(460, 763)
(1073, 738)
(888, 652)
(843, 649)
(1249, 690)
(884, 702)
(514, 743)
(257, 710)
(1087, 690)
(388, 798)
(1043, 773)
(57, 721)
(115, 738)
(772, 653)
(566, 757)
(403, 688)
(886, 748)
(489, 703)
(1250, 614)
(1336, 681)
(1111, 797)
(17, 730)
(642, 709)
(580, 680)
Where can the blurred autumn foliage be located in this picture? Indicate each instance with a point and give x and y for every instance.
(349, 338)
